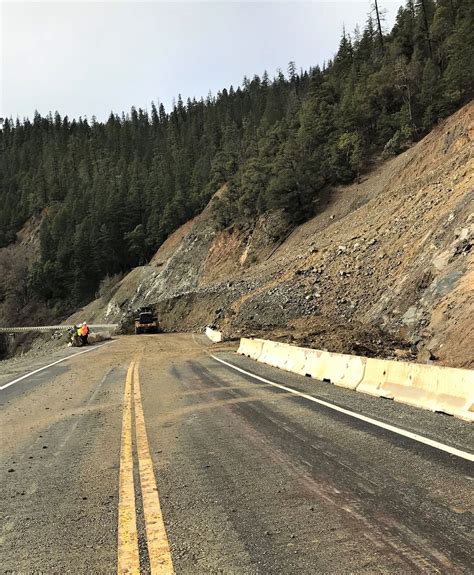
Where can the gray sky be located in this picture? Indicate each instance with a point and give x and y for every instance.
(88, 58)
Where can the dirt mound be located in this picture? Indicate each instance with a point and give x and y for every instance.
(385, 268)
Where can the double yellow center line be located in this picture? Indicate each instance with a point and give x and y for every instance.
(157, 540)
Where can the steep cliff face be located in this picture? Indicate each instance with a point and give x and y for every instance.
(386, 268)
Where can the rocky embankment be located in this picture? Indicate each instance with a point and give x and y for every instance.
(385, 269)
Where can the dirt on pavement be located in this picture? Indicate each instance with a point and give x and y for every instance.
(250, 479)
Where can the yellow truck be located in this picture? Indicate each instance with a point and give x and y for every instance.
(146, 321)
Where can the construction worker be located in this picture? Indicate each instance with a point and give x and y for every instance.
(71, 334)
(84, 333)
(78, 338)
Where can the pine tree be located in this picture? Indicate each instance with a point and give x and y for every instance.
(110, 193)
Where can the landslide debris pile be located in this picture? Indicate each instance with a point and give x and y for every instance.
(385, 269)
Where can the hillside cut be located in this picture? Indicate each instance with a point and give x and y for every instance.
(385, 268)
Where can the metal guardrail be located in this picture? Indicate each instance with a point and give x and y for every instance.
(41, 328)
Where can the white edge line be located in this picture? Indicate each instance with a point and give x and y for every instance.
(51, 364)
(392, 428)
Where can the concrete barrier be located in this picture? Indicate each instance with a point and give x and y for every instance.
(213, 335)
(274, 353)
(375, 374)
(251, 347)
(340, 369)
(297, 358)
(445, 389)
(455, 392)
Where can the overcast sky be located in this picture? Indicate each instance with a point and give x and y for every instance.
(88, 58)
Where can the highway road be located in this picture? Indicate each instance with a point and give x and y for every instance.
(162, 453)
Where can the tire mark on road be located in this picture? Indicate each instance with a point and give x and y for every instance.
(73, 428)
(398, 538)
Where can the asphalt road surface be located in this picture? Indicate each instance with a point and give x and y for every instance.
(149, 455)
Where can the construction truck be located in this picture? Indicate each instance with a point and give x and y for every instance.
(146, 321)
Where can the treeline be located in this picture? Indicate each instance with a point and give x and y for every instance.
(112, 192)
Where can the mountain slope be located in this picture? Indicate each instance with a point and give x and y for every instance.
(111, 192)
(385, 268)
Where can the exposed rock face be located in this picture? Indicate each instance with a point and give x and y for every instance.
(386, 268)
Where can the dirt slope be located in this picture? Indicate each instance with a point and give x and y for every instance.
(386, 268)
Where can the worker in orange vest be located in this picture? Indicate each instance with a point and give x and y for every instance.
(84, 333)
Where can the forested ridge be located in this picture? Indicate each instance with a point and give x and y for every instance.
(110, 193)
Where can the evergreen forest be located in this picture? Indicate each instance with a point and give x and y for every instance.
(109, 193)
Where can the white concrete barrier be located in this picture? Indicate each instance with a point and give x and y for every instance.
(340, 369)
(343, 370)
(213, 335)
(374, 375)
(297, 358)
(455, 392)
(275, 353)
(251, 347)
(445, 389)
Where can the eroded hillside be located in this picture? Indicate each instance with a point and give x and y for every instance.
(386, 268)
